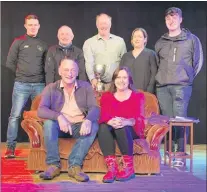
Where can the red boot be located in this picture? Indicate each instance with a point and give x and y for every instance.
(128, 169)
(112, 169)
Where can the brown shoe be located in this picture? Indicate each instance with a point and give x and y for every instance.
(75, 172)
(51, 172)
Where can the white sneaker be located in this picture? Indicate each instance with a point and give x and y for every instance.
(178, 162)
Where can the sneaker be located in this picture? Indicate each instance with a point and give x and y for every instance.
(76, 173)
(52, 172)
(178, 162)
(9, 153)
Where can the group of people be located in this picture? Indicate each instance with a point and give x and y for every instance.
(68, 102)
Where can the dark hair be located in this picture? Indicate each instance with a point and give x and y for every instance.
(144, 32)
(173, 10)
(30, 16)
(116, 72)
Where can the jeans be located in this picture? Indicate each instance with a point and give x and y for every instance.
(173, 101)
(80, 149)
(20, 96)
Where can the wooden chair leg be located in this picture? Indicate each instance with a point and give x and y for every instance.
(165, 149)
(191, 147)
(170, 145)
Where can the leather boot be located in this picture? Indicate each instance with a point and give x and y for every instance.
(76, 173)
(112, 166)
(51, 172)
(127, 171)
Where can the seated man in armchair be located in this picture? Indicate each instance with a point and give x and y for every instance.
(70, 109)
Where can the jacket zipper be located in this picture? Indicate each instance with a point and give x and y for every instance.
(174, 55)
(66, 55)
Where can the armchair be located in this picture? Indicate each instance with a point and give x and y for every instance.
(146, 151)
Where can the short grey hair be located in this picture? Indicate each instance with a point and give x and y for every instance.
(101, 14)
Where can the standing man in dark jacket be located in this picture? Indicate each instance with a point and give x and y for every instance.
(65, 49)
(180, 60)
(26, 58)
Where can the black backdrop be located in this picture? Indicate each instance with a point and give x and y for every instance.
(80, 16)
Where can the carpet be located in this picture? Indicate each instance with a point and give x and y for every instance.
(139, 184)
(16, 178)
(169, 180)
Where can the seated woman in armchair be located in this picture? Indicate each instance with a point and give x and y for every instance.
(122, 116)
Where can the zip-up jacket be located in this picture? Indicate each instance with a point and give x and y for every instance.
(26, 58)
(180, 59)
(53, 99)
(55, 54)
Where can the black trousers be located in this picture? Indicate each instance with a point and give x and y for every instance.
(124, 137)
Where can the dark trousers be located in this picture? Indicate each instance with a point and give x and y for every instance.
(173, 101)
(124, 137)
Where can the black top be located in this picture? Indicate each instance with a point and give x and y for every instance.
(180, 59)
(26, 57)
(143, 68)
(54, 56)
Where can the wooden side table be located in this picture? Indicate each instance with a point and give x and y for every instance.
(170, 154)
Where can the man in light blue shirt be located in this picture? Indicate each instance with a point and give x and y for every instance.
(103, 48)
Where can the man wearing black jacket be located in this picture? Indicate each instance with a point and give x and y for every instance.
(65, 49)
(180, 60)
(26, 59)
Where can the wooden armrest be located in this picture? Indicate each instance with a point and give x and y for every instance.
(34, 130)
(32, 115)
(155, 135)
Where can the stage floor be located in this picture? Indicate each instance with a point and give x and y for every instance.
(14, 175)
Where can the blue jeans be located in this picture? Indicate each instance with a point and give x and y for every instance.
(173, 101)
(80, 149)
(20, 96)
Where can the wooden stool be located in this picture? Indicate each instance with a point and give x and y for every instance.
(170, 154)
